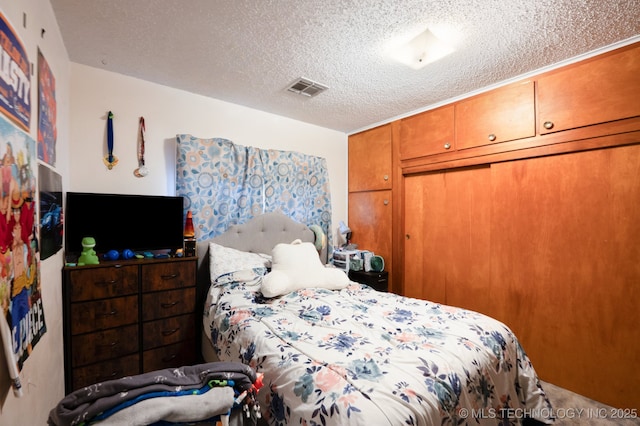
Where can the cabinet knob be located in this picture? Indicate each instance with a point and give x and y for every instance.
(492, 137)
(385, 177)
(407, 236)
(385, 202)
(548, 125)
(447, 145)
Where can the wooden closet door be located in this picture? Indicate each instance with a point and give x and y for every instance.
(425, 232)
(468, 239)
(566, 261)
(447, 237)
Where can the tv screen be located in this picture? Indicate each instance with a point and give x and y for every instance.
(118, 222)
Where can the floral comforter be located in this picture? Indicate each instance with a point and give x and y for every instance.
(362, 357)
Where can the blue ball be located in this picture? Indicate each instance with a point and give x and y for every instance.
(127, 254)
(112, 255)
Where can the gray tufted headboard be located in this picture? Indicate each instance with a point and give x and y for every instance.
(258, 235)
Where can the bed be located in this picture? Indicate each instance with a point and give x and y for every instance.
(335, 352)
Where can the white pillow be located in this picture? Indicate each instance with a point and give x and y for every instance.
(296, 266)
(227, 264)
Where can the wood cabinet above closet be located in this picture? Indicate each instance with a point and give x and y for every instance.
(503, 114)
(427, 133)
(602, 89)
(596, 97)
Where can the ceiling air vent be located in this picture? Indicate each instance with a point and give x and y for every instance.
(306, 87)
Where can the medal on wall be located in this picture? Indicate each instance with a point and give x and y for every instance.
(142, 170)
(110, 160)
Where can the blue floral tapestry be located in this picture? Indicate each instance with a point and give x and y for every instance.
(225, 184)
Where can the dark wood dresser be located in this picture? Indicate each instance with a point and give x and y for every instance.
(128, 317)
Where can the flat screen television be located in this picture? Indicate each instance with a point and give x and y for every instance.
(118, 222)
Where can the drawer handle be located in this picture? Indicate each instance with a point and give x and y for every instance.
(170, 332)
(169, 358)
(548, 125)
(169, 305)
(109, 314)
(111, 345)
(105, 283)
(447, 145)
(492, 137)
(170, 276)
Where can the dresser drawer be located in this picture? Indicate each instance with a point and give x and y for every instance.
(176, 355)
(107, 370)
(164, 304)
(103, 345)
(99, 283)
(167, 331)
(102, 314)
(166, 276)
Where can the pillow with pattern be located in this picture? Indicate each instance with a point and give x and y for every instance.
(228, 265)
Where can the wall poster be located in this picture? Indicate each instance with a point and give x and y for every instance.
(15, 77)
(51, 223)
(20, 291)
(47, 131)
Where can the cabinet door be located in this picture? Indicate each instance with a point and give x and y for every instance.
(447, 237)
(500, 115)
(427, 133)
(370, 223)
(370, 159)
(596, 91)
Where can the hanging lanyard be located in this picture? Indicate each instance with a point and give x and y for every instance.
(110, 160)
(110, 136)
(141, 171)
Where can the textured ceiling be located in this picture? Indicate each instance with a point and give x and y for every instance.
(248, 51)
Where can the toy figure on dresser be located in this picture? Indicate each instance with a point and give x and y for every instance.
(88, 255)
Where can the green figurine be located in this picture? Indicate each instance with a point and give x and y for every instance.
(88, 255)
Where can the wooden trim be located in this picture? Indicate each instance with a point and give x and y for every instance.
(622, 132)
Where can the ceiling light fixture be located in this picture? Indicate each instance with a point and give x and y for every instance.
(423, 49)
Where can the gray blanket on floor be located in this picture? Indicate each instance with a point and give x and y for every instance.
(84, 404)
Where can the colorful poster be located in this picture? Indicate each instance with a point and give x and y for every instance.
(51, 224)
(15, 77)
(20, 292)
(47, 131)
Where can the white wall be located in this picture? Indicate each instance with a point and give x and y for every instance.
(168, 112)
(42, 374)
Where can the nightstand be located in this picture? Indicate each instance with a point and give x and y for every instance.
(377, 280)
